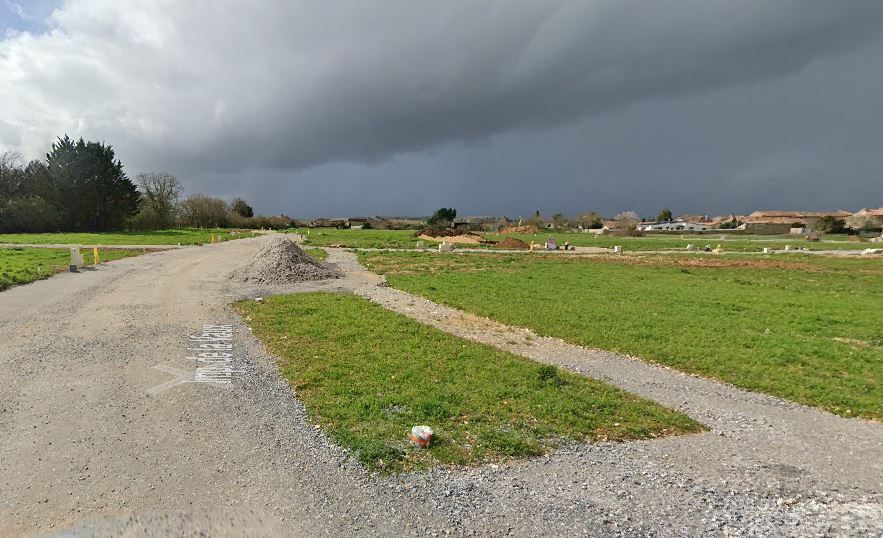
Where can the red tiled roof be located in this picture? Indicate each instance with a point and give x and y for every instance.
(868, 212)
(799, 214)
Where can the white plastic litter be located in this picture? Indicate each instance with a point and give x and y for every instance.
(421, 436)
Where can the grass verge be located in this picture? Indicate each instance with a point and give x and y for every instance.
(185, 236)
(368, 375)
(318, 253)
(805, 328)
(404, 239)
(730, 243)
(24, 265)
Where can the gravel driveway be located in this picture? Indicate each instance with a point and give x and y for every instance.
(85, 449)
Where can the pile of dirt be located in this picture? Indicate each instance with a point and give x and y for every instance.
(462, 239)
(280, 261)
(519, 230)
(513, 243)
(433, 232)
(451, 236)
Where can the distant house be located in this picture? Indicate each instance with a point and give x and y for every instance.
(673, 226)
(329, 223)
(866, 218)
(784, 222)
(801, 218)
(766, 227)
(378, 223)
(719, 220)
(384, 223)
(357, 223)
(698, 220)
(608, 226)
(479, 223)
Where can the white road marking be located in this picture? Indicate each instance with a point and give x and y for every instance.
(181, 376)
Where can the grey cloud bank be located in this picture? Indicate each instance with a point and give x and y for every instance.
(399, 107)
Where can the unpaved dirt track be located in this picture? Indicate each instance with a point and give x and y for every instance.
(85, 451)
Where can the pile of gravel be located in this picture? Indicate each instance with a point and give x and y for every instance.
(282, 262)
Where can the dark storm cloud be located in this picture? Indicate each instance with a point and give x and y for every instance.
(255, 97)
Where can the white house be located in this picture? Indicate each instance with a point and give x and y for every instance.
(673, 226)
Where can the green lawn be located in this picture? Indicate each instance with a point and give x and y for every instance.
(157, 237)
(736, 243)
(805, 328)
(367, 375)
(318, 253)
(404, 239)
(23, 265)
(323, 237)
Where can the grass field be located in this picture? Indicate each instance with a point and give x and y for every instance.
(157, 237)
(737, 243)
(367, 375)
(323, 237)
(317, 253)
(805, 328)
(404, 239)
(23, 265)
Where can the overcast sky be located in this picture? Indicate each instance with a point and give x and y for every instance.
(338, 107)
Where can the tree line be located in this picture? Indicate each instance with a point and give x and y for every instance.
(81, 187)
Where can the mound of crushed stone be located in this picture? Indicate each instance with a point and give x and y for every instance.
(282, 262)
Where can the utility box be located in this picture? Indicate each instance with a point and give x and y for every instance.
(76, 259)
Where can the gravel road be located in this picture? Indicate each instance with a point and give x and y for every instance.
(87, 449)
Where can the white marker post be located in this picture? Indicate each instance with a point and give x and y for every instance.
(76, 259)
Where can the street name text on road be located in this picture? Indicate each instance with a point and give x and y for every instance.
(213, 349)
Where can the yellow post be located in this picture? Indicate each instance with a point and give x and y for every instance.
(95, 257)
(213, 238)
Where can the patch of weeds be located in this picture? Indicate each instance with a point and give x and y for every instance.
(547, 375)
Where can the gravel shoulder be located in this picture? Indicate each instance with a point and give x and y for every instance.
(85, 447)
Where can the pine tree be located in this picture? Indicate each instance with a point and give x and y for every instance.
(95, 193)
